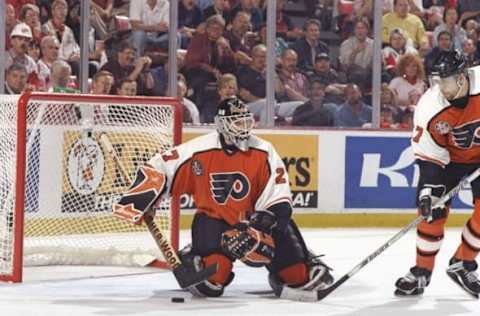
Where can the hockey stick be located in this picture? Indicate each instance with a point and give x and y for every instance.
(324, 292)
(186, 276)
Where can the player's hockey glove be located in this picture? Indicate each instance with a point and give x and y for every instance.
(251, 241)
(426, 201)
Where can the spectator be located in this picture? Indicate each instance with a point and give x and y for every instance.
(388, 99)
(410, 23)
(293, 84)
(60, 77)
(102, 82)
(386, 118)
(126, 65)
(69, 48)
(220, 7)
(19, 38)
(470, 24)
(252, 80)
(335, 83)
(190, 18)
(444, 40)
(49, 47)
(410, 79)
(468, 9)
(127, 87)
(30, 15)
(101, 16)
(356, 55)
(398, 45)
(15, 79)
(280, 44)
(208, 56)
(10, 22)
(250, 7)
(285, 28)
(18, 4)
(450, 18)
(470, 50)
(190, 112)
(354, 112)
(227, 86)
(236, 36)
(33, 50)
(315, 112)
(310, 45)
(150, 20)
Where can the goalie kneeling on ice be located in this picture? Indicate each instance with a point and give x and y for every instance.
(261, 246)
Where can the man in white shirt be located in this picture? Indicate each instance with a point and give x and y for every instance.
(150, 20)
(49, 47)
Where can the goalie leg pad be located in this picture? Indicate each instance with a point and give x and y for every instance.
(145, 190)
(224, 268)
(294, 275)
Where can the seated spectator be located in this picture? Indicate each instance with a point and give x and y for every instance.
(412, 25)
(33, 50)
(10, 22)
(310, 45)
(127, 87)
(468, 9)
(398, 45)
(102, 83)
(250, 7)
(292, 83)
(150, 21)
(444, 40)
(410, 79)
(15, 79)
(190, 112)
(388, 99)
(354, 112)
(252, 79)
(450, 18)
(227, 87)
(470, 24)
(18, 4)
(190, 19)
(127, 65)
(49, 47)
(236, 36)
(335, 83)
(19, 38)
(220, 7)
(285, 28)
(356, 55)
(101, 16)
(208, 56)
(69, 48)
(386, 118)
(30, 15)
(470, 50)
(315, 112)
(60, 78)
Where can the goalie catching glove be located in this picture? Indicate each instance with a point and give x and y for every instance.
(145, 190)
(251, 241)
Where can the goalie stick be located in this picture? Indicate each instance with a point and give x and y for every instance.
(186, 276)
(467, 180)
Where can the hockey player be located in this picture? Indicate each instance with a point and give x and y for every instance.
(243, 199)
(446, 144)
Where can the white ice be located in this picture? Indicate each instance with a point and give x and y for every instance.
(83, 291)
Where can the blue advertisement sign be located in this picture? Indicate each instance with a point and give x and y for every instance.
(380, 173)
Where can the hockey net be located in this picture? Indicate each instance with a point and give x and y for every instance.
(58, 179)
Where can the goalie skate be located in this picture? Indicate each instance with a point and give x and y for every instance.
(463, 273)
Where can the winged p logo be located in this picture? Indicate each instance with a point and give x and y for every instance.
(230, 184)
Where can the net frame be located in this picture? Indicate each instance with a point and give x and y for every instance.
(21, 164)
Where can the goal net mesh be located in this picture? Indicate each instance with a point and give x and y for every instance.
(72, 178)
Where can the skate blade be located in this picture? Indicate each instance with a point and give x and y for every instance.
(461, 285)
(414, 293)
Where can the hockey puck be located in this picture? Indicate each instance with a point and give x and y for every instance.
(178, 300)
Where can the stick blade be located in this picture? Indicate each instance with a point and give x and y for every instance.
(187, 276)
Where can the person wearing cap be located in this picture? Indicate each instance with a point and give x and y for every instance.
(19, 38)
(335, 82)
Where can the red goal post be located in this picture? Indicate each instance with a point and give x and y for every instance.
(58, 179)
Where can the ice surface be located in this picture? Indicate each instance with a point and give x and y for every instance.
(83, 291)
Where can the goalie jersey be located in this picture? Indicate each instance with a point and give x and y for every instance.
(225, 186)
(444, 133)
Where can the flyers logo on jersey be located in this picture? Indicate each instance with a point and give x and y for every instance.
(226, 185)
(467, 135)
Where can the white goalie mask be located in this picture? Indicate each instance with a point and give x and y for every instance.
(234, 122)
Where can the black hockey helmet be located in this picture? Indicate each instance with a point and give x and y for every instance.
(448, 63)
(234, 122)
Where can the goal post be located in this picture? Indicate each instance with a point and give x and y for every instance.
(58, 180)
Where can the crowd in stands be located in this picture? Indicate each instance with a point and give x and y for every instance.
(222, 52)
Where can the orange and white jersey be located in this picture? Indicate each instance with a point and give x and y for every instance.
(444, 133)
(225, 186)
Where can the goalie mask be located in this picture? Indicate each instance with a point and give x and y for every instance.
(234, 122)
(449, 72)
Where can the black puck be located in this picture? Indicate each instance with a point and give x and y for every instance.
(178, 300)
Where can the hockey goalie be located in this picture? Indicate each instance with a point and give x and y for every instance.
(243, 199)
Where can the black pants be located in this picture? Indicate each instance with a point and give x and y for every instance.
(290, 247)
